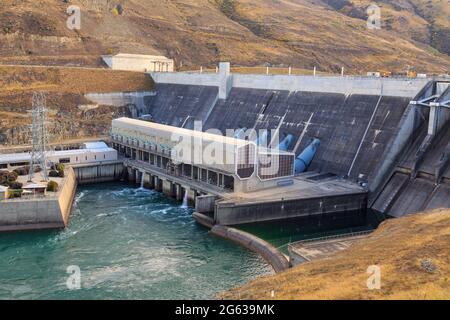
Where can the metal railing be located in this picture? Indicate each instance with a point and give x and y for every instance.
(333, 237)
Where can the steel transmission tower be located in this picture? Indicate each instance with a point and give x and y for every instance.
(39, 136)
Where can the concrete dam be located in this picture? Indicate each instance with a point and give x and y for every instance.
(384, 142)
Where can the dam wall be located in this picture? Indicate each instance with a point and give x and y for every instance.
(181, 105)
(50, 212)
(397, 87)
(354, 129)
(388, 134)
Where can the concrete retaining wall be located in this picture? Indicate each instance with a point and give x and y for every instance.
(97, 173)
(203, 219)
(274, 257)
(345, 85)
(35, 214)
(67, 195)
(187, 78)
(205, 204)
(341, 205)
(401, 87)
(120, 99)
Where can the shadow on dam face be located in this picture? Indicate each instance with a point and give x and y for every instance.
(354, 129)
(357, 131)
(173, 104)
(283, 232)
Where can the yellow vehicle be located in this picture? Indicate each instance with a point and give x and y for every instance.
(411, 74)
(385, 74)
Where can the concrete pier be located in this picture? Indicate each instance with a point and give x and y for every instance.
(50, 212)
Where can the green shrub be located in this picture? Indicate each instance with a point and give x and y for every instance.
(15, 193)
(6, 177)
(60, 167)
(22, 171)
(15, 185)
(53, 174)
(3, 177)
(12, 176)
(61, 174)
(52, 186)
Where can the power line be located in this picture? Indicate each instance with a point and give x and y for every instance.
(39, 136)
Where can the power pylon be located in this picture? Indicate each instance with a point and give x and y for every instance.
(39, 136)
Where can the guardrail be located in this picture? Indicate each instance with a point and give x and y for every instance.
(333, 237)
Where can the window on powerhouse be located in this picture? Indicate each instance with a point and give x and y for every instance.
(19, 164)
(64, 160)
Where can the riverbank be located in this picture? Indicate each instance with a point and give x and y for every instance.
(412, 253)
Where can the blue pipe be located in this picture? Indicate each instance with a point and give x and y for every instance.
(305, 158)
(240, 132)
(262, 139)
(286, 143)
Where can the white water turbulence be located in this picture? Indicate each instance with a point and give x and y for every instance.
(129, 244)
(142, 181)
(185, 200)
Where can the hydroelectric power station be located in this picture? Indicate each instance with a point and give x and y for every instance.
(348, 144)
(345, 147)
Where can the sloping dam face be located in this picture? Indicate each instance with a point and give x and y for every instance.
(354, 130)
(358, 131)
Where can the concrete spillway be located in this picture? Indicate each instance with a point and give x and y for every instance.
(420, 178)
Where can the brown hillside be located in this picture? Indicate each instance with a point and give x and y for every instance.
(302, 33)
(413, 253)
(65, 89)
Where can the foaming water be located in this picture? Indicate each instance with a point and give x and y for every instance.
(130, 244)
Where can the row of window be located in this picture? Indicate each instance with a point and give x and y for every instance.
(142, 144)
(61, 160)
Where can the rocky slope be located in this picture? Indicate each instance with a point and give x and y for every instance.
(412, 253)
(70, 115)
(303, 33)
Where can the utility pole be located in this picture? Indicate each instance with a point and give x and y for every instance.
(39, 136)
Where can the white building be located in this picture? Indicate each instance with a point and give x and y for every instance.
(222, 161)
(91, 152)
(3, 193)
(139, 62)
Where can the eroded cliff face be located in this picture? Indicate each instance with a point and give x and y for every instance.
(70, 115)
(72, 121)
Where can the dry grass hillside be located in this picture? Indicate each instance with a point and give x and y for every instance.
(303, 33)
(423, 21)
(65, 89)
(413, 253)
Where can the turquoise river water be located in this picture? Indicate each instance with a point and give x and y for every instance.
(128, 244)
